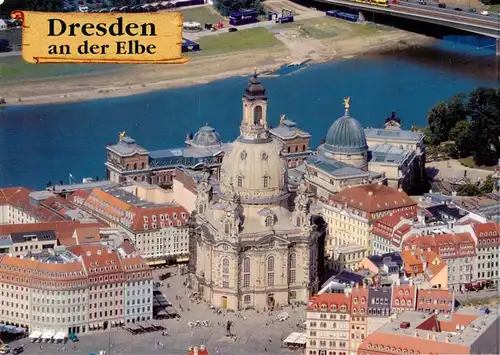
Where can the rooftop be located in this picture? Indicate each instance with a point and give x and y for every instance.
(381, 133)
(388, 154)
(374, 198)
(335, 167)
(425, 333)
(287, 129)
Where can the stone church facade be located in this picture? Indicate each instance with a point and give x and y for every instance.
(249, 250)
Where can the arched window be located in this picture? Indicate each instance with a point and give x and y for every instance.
(225, 273)
(143, 165)
(304, 148)
(246, 272)
(266, 181)
(269, 221)
(135, 166)
(227, 227)
(292, 265)
(240, 181)
(257, 114)
(128, 166)
(270, 271)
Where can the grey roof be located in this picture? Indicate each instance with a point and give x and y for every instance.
(386, 153)
(128, 197)
(334, 167)
(186, 156)
(287, 130)
(206, 137)
(346, 135)
(381, 133)
(38, 235)
(5, 240)
(127, 147)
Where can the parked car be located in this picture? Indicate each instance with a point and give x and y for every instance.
(442, 5)
(18, 350)
(472, 10)
(233, 29)
(422, 2)
(457, 9)
(485, 13)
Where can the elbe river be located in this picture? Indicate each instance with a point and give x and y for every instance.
(46, 143)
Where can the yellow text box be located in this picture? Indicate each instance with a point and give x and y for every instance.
(101, 38)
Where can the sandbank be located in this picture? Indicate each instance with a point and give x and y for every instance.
(138, 79)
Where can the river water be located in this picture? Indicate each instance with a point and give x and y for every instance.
(42, 143)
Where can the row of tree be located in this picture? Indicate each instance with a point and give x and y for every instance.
(226, 7)
(470, 124)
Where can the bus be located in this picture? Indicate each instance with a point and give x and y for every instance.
(243, 17)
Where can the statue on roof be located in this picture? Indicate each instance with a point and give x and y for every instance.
(282, 118)
(122, 135)
(347, 104)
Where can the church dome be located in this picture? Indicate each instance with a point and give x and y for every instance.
(346, 136)
(256, 172)
(205, 137)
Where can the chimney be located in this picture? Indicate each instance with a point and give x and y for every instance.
(410, 282)
(380, 182)
(429, 336)
(400, 190)
(195, 350)
(99, 251)
(370, 193)
(89, 253)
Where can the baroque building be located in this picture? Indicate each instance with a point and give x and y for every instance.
(354, 156)
(249, 250)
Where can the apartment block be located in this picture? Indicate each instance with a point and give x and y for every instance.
(74, 290)
(155, 224)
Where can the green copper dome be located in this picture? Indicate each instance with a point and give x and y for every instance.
(345, 136)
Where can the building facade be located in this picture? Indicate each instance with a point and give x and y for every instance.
(295, 143)
(126, 160)
(158, 231)
(351, 212)
(249, 249)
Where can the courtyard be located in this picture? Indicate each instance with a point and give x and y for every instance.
(252, 332)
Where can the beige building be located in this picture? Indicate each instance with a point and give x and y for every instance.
(72, 290)
(348, 256)
(249, 249)
(328, 324)
(155, 224)
(351, 212)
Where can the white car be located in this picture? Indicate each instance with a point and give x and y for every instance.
(485, 13)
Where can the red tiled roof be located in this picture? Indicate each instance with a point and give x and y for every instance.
(487, 234)
(19, 197)
(133, 217)
(374, 198)
(446, 245)
(329, 300)
(63, 229)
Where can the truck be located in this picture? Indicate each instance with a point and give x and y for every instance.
(243, 17)
(343, 15)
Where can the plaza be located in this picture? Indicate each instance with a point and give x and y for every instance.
(253, 333)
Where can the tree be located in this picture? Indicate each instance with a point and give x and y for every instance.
(469, 190)
(461, 136)
(488, 185)
(30, 5)
(483, 109)
(226, 7)
(444, 116)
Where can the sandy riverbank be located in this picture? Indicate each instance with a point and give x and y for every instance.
(137, 79)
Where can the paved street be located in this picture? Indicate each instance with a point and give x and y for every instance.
(252, 336)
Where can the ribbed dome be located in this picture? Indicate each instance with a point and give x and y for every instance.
(346, 135)
(206, 136)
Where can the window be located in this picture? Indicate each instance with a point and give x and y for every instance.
(240, 181)
(246, 272)
(257, 114)
(266, 181)
(270, 271)
(225, 273)
(292, 265)
(269, 221)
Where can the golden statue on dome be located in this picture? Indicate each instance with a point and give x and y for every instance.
(282, 118)
(122, 135)
(347, 104)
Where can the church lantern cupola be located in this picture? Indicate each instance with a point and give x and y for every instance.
(254, 125)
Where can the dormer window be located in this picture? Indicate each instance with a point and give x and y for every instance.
(154, 218)
(162, 217)
(167, 216)
(269, 221)
(146, 219)
(175, 215)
